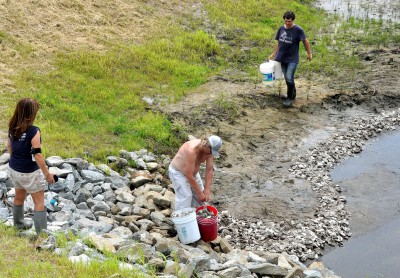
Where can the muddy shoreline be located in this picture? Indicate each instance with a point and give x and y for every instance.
(253, 179)
(262, 141)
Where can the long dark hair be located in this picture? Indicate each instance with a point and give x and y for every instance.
(23, 118)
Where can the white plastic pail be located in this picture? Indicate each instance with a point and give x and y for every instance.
(267, 70)
(277, 70)
(186, 225)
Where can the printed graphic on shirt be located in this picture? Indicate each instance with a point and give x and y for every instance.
(23, 137)
(286, 38)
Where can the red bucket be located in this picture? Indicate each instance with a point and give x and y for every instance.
(208, 226)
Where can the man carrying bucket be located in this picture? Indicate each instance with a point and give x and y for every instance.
(184, 171)
(286, 52)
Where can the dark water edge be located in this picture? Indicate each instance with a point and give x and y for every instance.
(371, 184)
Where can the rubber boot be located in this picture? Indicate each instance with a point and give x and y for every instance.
(291, 91)
(40, 220)
(18, 217)
(294, 92)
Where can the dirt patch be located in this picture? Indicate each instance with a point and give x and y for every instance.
(36, 30)
(262, 138)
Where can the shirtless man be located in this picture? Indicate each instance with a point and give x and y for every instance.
(184, 171)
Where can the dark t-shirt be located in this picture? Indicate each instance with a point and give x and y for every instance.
(288, 44)
(21, 157)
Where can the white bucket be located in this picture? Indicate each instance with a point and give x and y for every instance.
(278, 70)
(186, 225)
(267, 70)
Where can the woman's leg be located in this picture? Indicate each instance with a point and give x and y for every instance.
(39, 214)
(18, 210)
(20, 195)
(38, 200)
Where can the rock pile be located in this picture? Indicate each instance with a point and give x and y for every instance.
(128, 214)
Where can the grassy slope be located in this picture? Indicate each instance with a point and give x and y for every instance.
(92, 64)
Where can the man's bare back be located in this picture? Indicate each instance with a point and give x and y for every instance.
(189, 157)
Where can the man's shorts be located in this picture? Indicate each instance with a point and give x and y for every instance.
(31, 182)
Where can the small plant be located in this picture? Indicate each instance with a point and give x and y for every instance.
(176, 260)
(227, 107)
(62, 239)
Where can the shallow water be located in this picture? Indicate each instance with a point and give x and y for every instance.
(365, 9)
(371, 184)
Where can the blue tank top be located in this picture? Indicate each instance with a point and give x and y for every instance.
(21, 157)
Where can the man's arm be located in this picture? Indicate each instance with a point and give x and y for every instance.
(308, 49)
(273, 54)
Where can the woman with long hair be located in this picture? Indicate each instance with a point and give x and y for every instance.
(28, 170)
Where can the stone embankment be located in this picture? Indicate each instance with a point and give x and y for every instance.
(124, 208)
(129, 216)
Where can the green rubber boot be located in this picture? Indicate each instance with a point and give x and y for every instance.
(40, 220)
(18, 217)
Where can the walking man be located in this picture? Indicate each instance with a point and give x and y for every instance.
(286, 52)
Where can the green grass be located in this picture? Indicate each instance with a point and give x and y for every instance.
(19, 258)
(91, 102)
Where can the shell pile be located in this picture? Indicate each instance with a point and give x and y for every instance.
(330, 225)
(205, 213)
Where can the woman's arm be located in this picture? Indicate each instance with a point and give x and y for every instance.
(40, 160)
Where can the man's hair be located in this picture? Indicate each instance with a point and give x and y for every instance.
(204, 140)
(289, 15)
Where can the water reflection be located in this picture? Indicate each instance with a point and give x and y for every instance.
(365, 9)
(371, 184)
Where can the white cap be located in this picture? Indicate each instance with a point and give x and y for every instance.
(215, 143)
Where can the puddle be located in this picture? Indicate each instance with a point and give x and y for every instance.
(371, 184)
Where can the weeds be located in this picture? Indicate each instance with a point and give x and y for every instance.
(227, 107)
(18, 256)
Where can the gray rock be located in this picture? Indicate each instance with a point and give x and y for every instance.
(4, 158)
(54, 161)
(59, 172)
(82, 195)
(92, 176)
(101, 206)
(3, 176)
(3, 214)
(93, 226)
